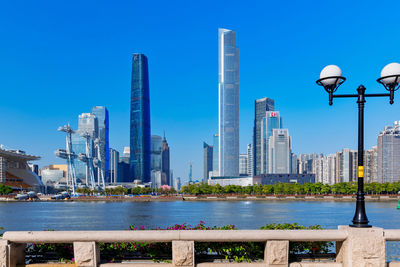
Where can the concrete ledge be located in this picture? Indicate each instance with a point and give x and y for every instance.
(391, 235)
(169, 235)
(315, 264)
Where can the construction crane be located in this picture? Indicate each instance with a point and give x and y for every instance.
(99, 165)
(88, 159)
(69, 155)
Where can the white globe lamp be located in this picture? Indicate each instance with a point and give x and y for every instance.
(330, 71)
(392, 72)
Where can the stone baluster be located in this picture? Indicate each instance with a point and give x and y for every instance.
(86, 254)
(11, 254)
(276, 253)
(183, 254)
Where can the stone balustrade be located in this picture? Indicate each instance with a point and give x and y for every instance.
(355, 247)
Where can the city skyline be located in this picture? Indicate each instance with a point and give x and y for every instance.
(304, 105)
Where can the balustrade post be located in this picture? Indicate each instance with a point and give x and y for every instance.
(11, 254)
(183, 253)
(362, 247)
(276, 253)
(86, 254)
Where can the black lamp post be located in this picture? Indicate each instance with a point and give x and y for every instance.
(331, 78)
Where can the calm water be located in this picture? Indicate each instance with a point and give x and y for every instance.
(243, 214)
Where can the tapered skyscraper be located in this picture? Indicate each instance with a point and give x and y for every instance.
(140, 121)
(228, 88)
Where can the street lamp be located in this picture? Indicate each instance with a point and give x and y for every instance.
(331, 78)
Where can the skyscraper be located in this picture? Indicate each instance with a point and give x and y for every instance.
(261, 106)
(389, 154)
(280, 151)
(272, 120)
(250, 162)
(165, 165)
(207, 161)
(140, 120)
(156, 149)
(114, 161)
(228, 83)
(215, 155)
(87, 124)
(243, 163)
(101, 114)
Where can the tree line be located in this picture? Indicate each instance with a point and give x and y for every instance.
(346, 188)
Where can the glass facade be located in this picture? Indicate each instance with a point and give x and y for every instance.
(261, 106)
(156, 149)
(79, 146)
(165, 166)
(207, 161)
(280, 152)
(228, 77)
(272, 120)
(101, 114)
(140, 121)
(215, 154)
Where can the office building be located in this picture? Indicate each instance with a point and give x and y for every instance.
(250, 162)
(243, 164)
(279, 152)
(388, 154)
(272, 120)
(155, 151)
(346, 166)
(165, 163)
(294, 164)
(215, 155)
(114, 161)
(207, 161)
(101, 114)
(228, 66)
(261, 107)
(140, 121)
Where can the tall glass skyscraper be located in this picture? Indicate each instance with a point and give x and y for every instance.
(261, 106)
(388, 154)
(101, 114)
(228, 83)
(140, 120)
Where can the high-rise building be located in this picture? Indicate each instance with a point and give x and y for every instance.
(140, 120)
(272, 120)
(88, 123)
(279, 151)
(156, 149)
(207, 161)
(165, 163)
(371, 165)
(123, 166)
(389, 154)
(114, 161)
(215, 155)
(101, 114)
(243, 163)
(345, 163)
(228, 65)
(294, 163)
(250, 162)
(261, 106)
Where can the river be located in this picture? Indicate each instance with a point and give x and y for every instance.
(243, 214)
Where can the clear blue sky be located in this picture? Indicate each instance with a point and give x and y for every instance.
(60, 58)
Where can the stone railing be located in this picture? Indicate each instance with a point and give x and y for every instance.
(354, 246)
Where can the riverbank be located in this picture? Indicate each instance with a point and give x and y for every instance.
(392, 198)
